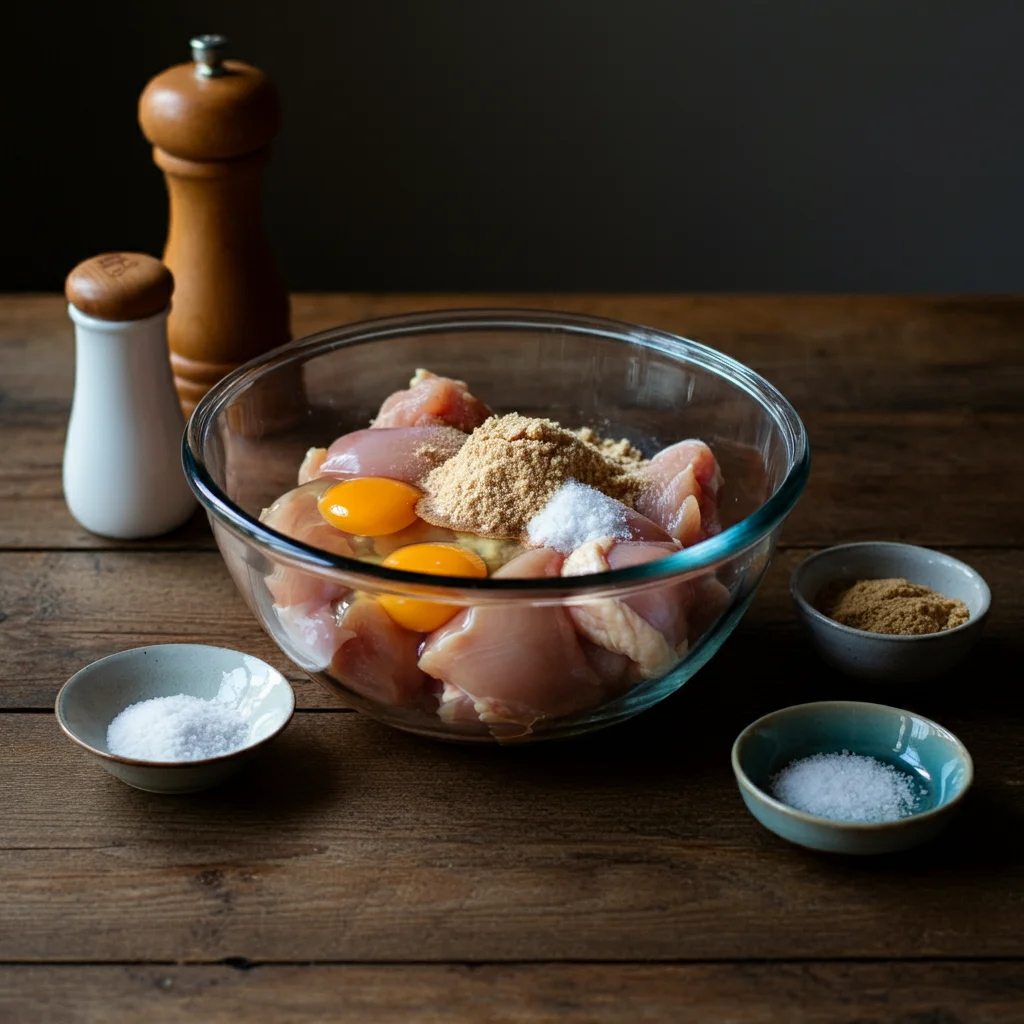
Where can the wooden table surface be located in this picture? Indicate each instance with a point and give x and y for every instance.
(356, 873)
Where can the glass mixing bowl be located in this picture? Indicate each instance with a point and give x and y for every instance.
(522, 678)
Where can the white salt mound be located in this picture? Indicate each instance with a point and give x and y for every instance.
(179, 728)
(846, 787)
(574, 514)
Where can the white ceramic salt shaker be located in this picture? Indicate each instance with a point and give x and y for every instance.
(122, 460)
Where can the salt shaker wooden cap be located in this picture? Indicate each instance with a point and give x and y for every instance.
(122, 458)
(211, 122)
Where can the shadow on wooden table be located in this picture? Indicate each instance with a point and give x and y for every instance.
(295, 777)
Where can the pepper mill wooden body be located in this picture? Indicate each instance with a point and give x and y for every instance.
(211, 123)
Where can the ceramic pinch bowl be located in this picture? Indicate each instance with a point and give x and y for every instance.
(937, 762)
(879, 657)
(90, 700)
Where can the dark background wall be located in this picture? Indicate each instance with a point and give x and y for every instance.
(849, 145)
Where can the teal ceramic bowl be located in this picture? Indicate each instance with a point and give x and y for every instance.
(936, 760)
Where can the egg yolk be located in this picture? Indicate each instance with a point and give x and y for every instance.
(370, 506)
(436, 560)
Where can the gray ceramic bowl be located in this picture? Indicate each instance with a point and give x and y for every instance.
(938, 761)
(90, 700)
(876, 656)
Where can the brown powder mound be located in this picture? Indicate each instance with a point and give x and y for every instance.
(893, 606)
(621, 452)
(509, 468)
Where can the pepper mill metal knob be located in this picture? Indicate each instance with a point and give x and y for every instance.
(211, 123)
(208, 54)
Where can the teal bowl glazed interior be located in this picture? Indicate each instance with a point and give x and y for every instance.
(936, 760)
(249, 434)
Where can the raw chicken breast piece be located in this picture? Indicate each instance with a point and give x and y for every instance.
(310, 634)
(541, 563)
(295, 515)
(682, 612)
(642, 528)
(616, 671)
(662, 607)
(510, 667)
(682, 497)
(432, 401)
(654, 628)
(399, 453)
(708, 597)
(615, 624)
(375, 656)
(310, 467)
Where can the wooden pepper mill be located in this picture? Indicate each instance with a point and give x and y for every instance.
(211, 123)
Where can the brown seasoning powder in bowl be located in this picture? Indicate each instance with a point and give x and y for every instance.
(618, 451)
(511, 465)
(892, 606)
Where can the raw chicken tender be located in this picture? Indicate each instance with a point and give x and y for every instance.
(509, 667)
(682, 496)
(399, 453)
(432, 401)
(375, 656)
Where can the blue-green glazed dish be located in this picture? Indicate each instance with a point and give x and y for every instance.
(933, 756)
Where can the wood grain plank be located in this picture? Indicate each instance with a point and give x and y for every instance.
(351, 842)
(61, 610)
(912, 405)
(820, 993)
(959, 335)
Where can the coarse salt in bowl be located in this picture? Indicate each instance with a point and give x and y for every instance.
(250, 433)
(178, 727)
(851, 776)
(245, 703)
(843, 786)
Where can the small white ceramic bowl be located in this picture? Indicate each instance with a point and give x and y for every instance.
(90, 700)
(876, 656)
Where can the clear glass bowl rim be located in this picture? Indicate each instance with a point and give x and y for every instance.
(706, 555)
